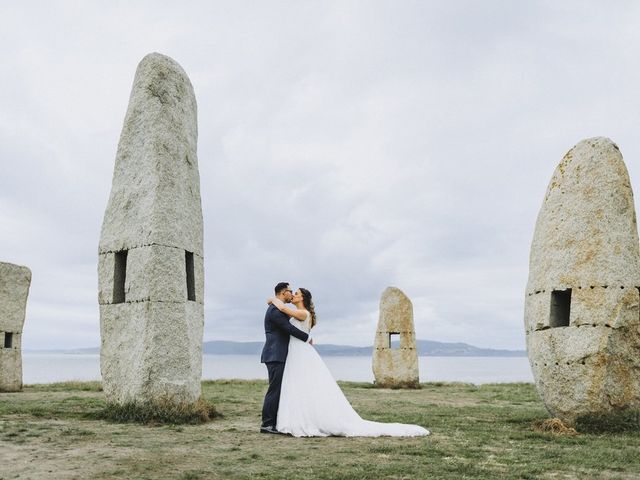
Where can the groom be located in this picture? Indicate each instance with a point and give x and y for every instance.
(274, 354)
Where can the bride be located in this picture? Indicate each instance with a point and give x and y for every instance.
(311, 402)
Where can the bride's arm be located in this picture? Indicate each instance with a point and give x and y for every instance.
(295, 313)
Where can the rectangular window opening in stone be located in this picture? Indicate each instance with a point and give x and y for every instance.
(560, 308)
(191, 284)
(394, 340)
(119, 276)
(8, 340)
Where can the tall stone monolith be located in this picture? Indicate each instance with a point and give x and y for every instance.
(581, 305)
(395, 358)
(151, 276)
(15, 281)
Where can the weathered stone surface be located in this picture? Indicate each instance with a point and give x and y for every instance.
(156, 350)
(582, 316)
(151, 321)
(155, 195)
(15, 281)
(395, 367)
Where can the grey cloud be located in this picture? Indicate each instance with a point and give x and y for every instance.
(343, 146)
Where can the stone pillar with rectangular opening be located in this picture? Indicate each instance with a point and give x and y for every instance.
(151, 274)
(582, 318)
(395, 358)
(15, 281)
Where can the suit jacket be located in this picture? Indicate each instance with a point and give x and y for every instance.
(277, 329)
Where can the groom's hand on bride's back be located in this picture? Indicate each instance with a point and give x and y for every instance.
(311, 341)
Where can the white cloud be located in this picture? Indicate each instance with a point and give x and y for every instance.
(344, 146)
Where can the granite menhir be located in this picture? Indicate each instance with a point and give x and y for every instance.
(14, 290)
(395, 365)
(581, 305)
(151, 275)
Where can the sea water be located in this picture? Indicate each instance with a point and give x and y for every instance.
(59, 367)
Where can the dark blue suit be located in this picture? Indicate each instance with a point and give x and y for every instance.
(277, 329)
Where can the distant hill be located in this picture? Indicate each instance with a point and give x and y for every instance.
(425, 348)
(428, 348)
(72, 351)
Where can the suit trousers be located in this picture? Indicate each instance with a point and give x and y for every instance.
(272, 397)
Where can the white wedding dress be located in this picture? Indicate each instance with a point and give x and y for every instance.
(312, 404)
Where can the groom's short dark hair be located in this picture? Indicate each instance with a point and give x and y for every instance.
(281, 286)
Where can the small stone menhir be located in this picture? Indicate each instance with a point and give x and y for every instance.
(15, 281)
(395, 358)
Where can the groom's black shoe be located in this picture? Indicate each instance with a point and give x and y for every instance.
(269, 429)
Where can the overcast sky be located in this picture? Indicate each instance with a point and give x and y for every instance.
(343, 146)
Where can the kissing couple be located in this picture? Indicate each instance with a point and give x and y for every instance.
(303, 399)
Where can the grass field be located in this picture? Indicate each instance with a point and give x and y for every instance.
(479, 432)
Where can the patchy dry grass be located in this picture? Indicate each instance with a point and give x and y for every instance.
(554, 426)
(160, 412)
(479, 432)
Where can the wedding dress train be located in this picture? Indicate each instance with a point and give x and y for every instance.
(312, 404)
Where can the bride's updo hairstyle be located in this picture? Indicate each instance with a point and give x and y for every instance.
(308, 304)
